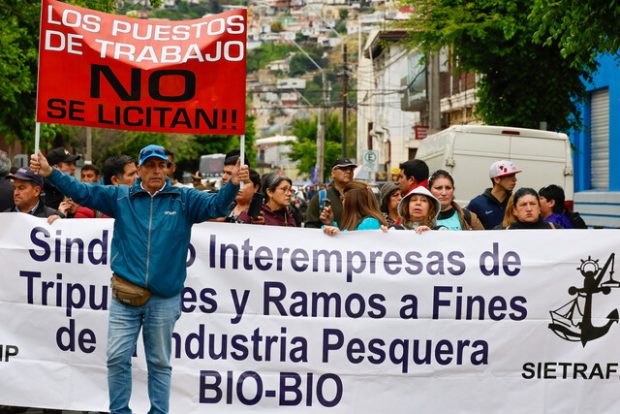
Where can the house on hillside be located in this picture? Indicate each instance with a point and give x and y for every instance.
(596, 156)
(290, 83)
(281, 65)
(273, 155)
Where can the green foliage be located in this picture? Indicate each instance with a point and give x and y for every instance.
(259, 58)
(106, 6)
(523, 83)
(334, 131)
(300, 64)
(581, 28)
(313, 92)
(300, 37)
(341, 26)
(276, 27)
(305, 129)
(187, 11)
(187, 148)
(304, 149)
(18, 73)
(314, 88)
(19, 35)
(18, 67)
(250, 138)
(188, 152)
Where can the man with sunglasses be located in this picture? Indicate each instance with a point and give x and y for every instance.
(148, 215)
(325, 207)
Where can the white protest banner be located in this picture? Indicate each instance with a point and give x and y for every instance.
(291, 319)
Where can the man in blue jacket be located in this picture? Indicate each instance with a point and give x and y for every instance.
(152, 230)
(491, 205)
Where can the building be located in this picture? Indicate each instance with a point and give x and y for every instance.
(393, 96)
(273, 155)
(382, 124)
(279, 65)
(290, 83)
(597, 148)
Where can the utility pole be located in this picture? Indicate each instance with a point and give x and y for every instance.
(89, 146)
(434, 105)
(345, 92)
(321, 129)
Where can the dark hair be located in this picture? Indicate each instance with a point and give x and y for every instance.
(233, 152)
(555, 193)
(255, 178)
(168, 152)
(115, 166)
(271, 181)
(359, 202)
(91, 167)
(387, 191)
(509, 217)
(522, 192)
(439, 174)
(233, 155)
(231, 160)
(416, 169)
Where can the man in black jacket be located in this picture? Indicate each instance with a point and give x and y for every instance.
(319, 212)
(491, 205)
(6, 187)
(27, 195)
(65, 162)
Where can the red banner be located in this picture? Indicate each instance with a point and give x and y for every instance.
(109, 71)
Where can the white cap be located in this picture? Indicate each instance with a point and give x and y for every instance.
(503, 167)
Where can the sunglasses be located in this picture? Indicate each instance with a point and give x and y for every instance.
(150, 152)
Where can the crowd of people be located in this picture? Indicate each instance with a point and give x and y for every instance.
(281, 204)
(141, 195)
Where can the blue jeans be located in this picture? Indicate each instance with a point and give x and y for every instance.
(156, 318)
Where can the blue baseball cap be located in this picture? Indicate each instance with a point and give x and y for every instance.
(26, 174)
(152, 151)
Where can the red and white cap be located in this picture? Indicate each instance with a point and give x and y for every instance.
(503, 167)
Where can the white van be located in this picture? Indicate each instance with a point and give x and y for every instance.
(467, 152)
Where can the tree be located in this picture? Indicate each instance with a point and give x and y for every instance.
(18, 74)
(18, 54)
(265, 53)
(523, 83)
(19, 34)
(304, 149)
(276, 27)
(341, 26)
(581, 28)
(187, 148)
(300, 64)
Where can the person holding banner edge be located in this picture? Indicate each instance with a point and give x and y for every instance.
(148, 276)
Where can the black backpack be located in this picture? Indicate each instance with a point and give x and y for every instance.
(575, 220)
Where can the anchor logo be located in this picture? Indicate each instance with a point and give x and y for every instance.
(573, 320)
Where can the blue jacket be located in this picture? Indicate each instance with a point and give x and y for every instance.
(488, 209)
(369, 223)
(151, 234)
